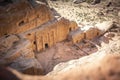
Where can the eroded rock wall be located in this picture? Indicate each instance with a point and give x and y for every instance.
(21, 16)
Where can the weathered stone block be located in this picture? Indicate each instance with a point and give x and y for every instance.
(91, 33)
(73, 26)
(6, 43)
(76, 36)
(62, 29)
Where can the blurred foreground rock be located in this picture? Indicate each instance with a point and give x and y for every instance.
(98, 66)
(94, 67)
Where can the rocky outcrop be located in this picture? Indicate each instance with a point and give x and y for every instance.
(22, 48)
(98, 66)
(6, 42)
(20, 56)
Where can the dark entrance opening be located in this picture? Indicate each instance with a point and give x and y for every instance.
(46, 45)
(70, 29)
(21, 23)
(84, 36)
